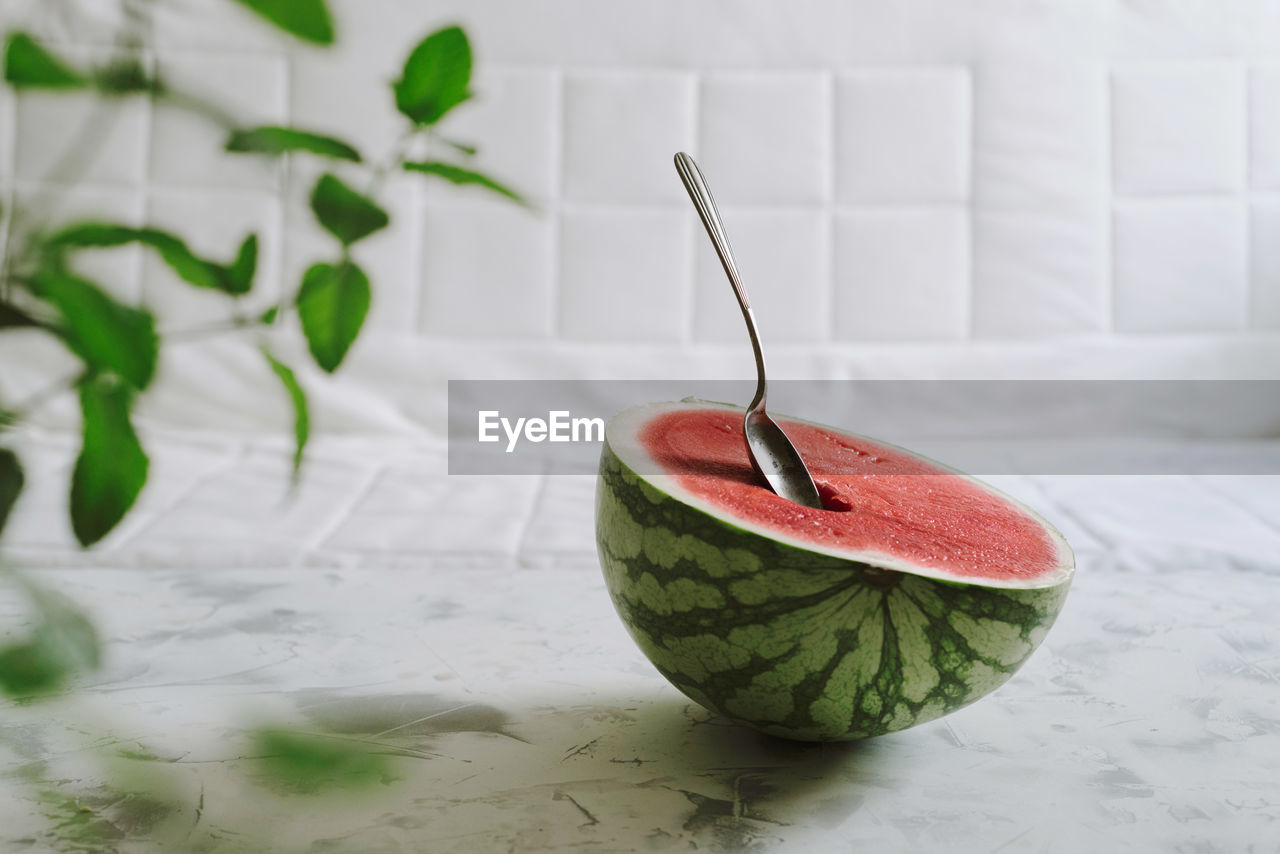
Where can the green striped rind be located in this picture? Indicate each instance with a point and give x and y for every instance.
(798, 644)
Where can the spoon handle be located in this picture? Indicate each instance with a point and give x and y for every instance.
(703, 202)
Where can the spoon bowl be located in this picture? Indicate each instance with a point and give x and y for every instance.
(776, 460)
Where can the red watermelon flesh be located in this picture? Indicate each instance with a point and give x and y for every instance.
(891, 508)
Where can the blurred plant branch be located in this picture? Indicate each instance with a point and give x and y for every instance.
(42, 291)
(118, 345)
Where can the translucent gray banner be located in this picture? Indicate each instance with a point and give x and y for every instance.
(978, 426)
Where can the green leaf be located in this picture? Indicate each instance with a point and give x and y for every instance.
(309, 20)
(11, 316)
(186, 264)
(460, 176)
(11, 480)
(435, 77)
(279, 140)
(112, 467)
(306, 763)
(301, 414)
(28, 65)
(269, 316)
(64, 642)
(92, 235)
(172, 250)
(106, 335)
(30, 667)
(240, 273)
(332, 304)
(346, 214)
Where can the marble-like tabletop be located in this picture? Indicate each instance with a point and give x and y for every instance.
(516, 715)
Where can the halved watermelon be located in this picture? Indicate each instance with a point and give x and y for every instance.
(916, 592)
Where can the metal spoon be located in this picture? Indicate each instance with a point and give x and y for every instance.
(772, 454)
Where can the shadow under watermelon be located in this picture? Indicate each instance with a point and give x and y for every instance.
(628, 764)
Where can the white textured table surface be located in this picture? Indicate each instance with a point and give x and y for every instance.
(519, 716)
(524, 719)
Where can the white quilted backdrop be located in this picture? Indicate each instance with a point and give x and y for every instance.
(917, 188)
(922, 188)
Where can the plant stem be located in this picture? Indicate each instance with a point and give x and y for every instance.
(46, 322)
(229, 324)
(394, 158)
(138, 26)
(28, 220)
